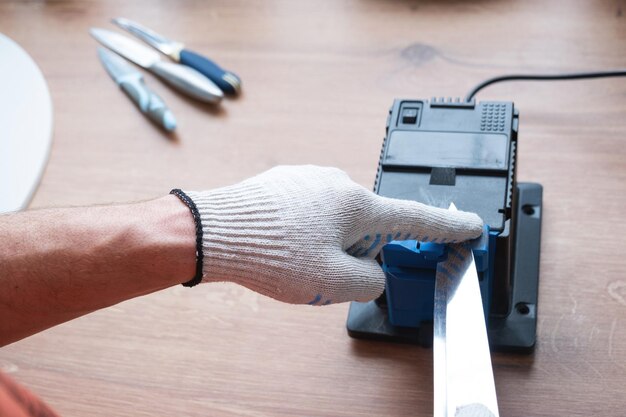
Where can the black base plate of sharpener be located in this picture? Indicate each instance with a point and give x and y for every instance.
(513, 332)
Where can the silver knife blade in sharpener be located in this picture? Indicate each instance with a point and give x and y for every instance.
(462, 371)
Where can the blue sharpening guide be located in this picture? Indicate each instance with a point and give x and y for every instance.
(410, 268)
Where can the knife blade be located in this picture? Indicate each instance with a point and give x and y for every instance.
(185, 79)
(463, 376)
(226, 80)
(131, 82)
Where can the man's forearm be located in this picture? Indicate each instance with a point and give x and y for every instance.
(59, 264)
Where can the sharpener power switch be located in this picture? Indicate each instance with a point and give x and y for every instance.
(409, 116)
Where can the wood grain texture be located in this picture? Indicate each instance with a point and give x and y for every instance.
(318, 78)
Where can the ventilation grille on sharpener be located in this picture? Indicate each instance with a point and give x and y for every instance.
(493, 117)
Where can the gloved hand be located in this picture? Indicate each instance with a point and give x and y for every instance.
(306, 234)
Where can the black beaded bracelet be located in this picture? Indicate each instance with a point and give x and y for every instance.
(196, 218)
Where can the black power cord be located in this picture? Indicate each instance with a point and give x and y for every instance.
(543, 77)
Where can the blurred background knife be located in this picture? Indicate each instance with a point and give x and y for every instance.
(185, 79)
(226, 80)
(131, 82)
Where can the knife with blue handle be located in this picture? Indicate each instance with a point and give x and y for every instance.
(131, 82)
(227, 81)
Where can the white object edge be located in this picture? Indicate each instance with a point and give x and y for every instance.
(25, 126)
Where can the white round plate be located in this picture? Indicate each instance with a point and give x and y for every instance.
(25, 126)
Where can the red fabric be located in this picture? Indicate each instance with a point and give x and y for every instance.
(17, 401)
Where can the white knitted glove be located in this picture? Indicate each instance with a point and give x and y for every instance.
(306, 234)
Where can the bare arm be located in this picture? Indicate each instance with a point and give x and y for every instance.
(302, 235)
(59, 264)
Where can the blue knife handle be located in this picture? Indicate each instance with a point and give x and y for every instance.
(225, 80)
(148, 102)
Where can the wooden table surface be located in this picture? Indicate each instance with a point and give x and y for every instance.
(319, 77)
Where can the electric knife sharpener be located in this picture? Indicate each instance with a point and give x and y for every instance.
(442, 152)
